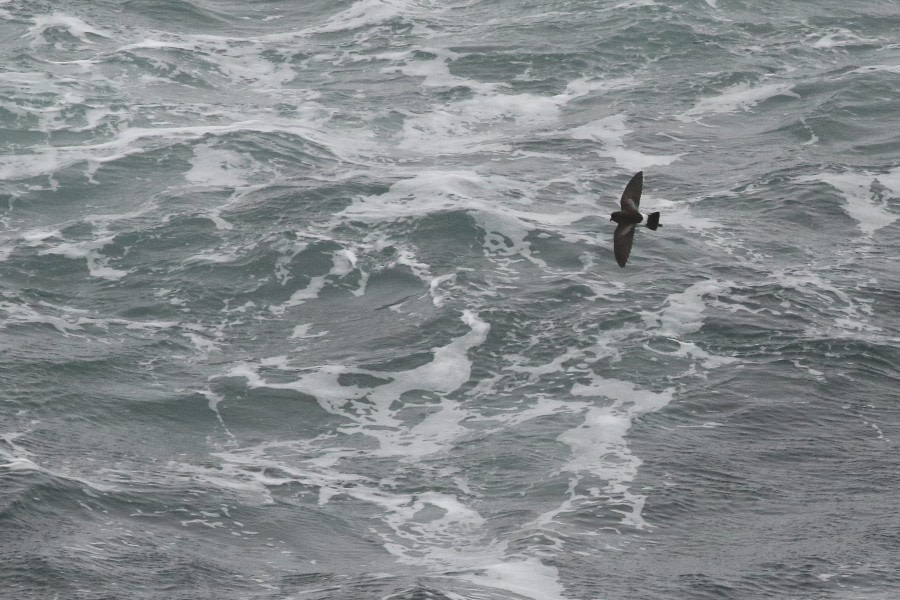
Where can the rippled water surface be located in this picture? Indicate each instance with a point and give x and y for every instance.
(317, 300)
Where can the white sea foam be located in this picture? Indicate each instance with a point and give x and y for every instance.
(153, 44)
(215, 167)
(434, 72)
(891, 180)
(610, 132)
(554, 366)
(30, 165)
(526, 577)
(851, 316)
(22, 313)
(741, 96)
(89, 250)
(236, 58)
(97, 263)
(435, 531)
(213, 401)
(437, 289)
(426, 192)
(376, 414)
(635, 4)
(498, 206)
(683, 312)
(138, 140)
(214, 256)
(311, 291)
(72, 321)
(682, 315)
(449, 369)
(25, 80)
(201, 342)
(819, 375)
(584, 86)
(491, 119)
(302, 332)
(599, 445)
(440, 532)
(343, 262)
(75, 26)
(68, 107)
(861, 204)
(14, 457)
(837, 38)
(480, 124)
(366, 12)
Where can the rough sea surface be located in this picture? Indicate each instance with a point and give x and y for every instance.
(316, 300)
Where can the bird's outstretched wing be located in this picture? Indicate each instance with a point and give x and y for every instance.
(631, 197)
(623, 238)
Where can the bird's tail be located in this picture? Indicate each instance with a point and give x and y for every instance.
(653, 221)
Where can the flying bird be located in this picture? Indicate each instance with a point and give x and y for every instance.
(629, 217)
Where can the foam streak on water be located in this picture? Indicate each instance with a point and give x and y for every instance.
(318, 300)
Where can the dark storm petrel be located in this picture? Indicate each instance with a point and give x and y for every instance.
(629, 217)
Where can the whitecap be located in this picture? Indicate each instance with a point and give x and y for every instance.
(74, 25)
(138, 140)
(377, 417)
(599, 445)
(682, 315)
(21, 313)
(477, 124)
(526, 577)
(861, 204)
(741, 96)
(434, 72)
(683, 312)
(583, 86)
(343, 262)
(302, 332)
(97, 263)
(839, 37)
(610, 132)
(219, 167)
(852, 315)
(16, 458)
(495, 203)
(365, 12)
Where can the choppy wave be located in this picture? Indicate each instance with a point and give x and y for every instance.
(319, 301)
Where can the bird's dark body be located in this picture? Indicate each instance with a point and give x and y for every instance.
(627, 217)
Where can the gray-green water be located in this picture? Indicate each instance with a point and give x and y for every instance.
(317, 300)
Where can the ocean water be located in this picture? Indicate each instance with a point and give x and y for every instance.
(316, 300)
